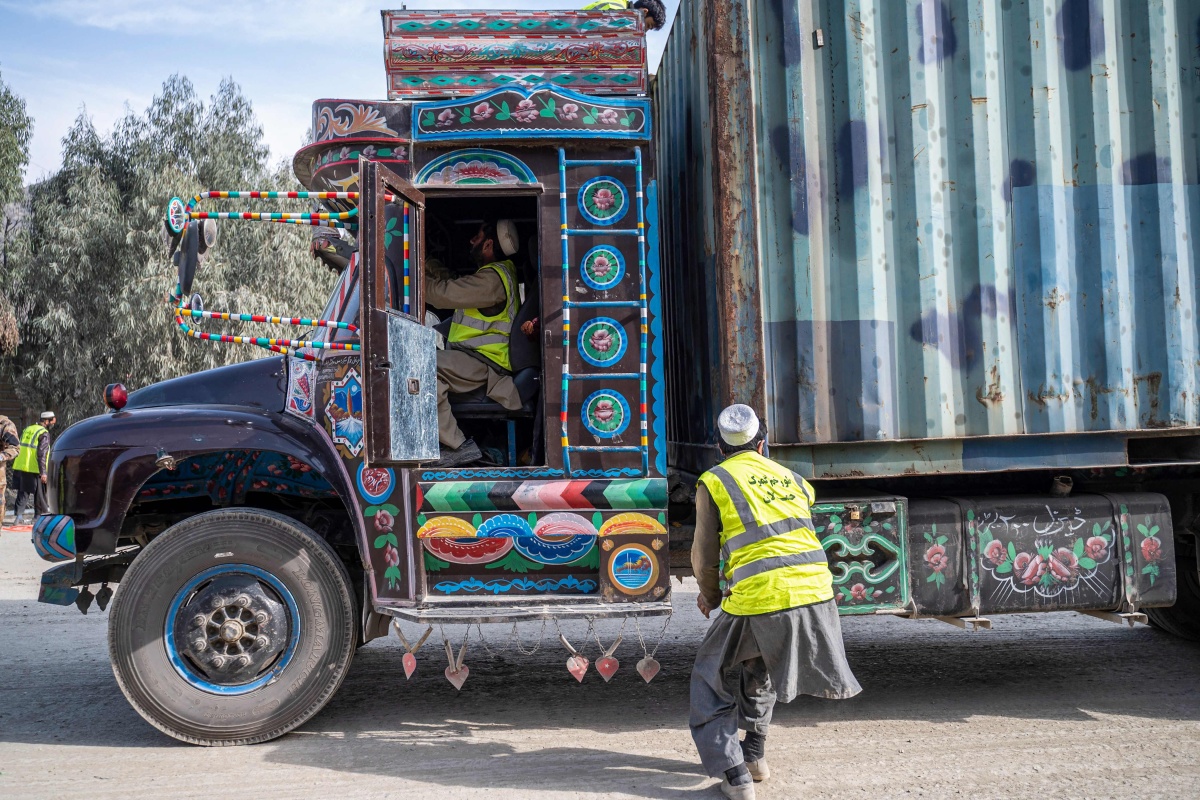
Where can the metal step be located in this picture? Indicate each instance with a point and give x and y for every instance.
(450, 615)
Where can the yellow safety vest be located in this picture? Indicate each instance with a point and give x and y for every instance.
(472, 330)
(607, 5)
(27, 461)
(773, 558)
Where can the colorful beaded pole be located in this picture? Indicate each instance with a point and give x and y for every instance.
(283, 346)
(177, 218)
(334, 219)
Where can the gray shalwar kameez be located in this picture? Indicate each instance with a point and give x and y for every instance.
(747, 663)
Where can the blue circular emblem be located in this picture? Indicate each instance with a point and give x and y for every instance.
(603, 200)
(375, 484)
(603, 267)
(605, 413)
(602, 341)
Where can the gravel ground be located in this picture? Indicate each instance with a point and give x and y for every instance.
(1053, 705)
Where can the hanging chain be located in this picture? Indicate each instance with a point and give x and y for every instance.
(513, 638)
(521, 648)
(661, 635)
(620, 635)
(591, 631)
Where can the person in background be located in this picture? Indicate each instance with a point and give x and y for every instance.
(10, 448)
(652, 10)
(777, 633)
(30, 468)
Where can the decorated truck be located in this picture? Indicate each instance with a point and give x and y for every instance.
(747, 227)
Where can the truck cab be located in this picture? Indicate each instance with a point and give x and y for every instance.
(289, 503)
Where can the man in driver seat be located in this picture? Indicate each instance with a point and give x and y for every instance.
(485, 304)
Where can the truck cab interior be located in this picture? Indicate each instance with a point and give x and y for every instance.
(509, 438)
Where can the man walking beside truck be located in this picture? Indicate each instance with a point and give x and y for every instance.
(777, 633)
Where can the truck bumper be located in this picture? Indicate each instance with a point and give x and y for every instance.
(54, 537)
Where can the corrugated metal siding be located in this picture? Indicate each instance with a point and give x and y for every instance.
(974, 218)
(683, 118)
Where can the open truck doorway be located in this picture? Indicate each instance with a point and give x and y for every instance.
(507, 437)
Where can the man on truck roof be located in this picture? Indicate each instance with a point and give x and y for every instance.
(652, 10)
(777, 623)
(485, 305)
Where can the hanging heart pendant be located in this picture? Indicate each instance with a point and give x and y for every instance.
(577, 666)
(607, 667)
(410, 664)
(458, 676)
(647, 668)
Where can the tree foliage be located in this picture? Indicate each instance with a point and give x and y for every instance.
(16, 129)
(91, 280)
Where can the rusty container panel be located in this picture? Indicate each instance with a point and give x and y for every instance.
(970, 220)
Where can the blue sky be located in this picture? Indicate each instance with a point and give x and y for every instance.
(68, 56)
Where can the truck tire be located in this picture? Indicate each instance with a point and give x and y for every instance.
(1183, 618)
(232, 627)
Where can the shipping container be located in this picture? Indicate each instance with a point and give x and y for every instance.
(933, 237)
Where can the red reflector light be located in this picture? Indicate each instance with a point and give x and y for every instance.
(115, 396)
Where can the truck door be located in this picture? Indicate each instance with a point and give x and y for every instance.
(399, 353)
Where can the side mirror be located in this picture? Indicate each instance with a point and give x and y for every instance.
(188, 242)
(197, 241)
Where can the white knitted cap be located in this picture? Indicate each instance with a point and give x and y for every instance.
(48, 415)
(738, 424)
(506, 232)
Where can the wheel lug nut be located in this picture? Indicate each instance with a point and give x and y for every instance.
(262, 641)
(261, 618)
(243, 601)
(243, 661)
(199, 620)
(218, 661)
(199, 645)
(215, 603)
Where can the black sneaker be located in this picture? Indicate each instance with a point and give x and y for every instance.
(467, 453)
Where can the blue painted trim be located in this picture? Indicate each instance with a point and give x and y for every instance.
(182, 667)
(587, 423)
(608, 250)
(615, 218)
(532, 132)
(658, 380)
(474, 585)
(519, 167)
(622, 341)
(478, 474)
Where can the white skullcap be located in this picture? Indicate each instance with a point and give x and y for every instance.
(47, 415)
(506, 232)
(738, 424)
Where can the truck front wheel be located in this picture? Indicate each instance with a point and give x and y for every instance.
(232, 627)
(1183, 618)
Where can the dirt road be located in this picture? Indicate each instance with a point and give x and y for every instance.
(1057, 705)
